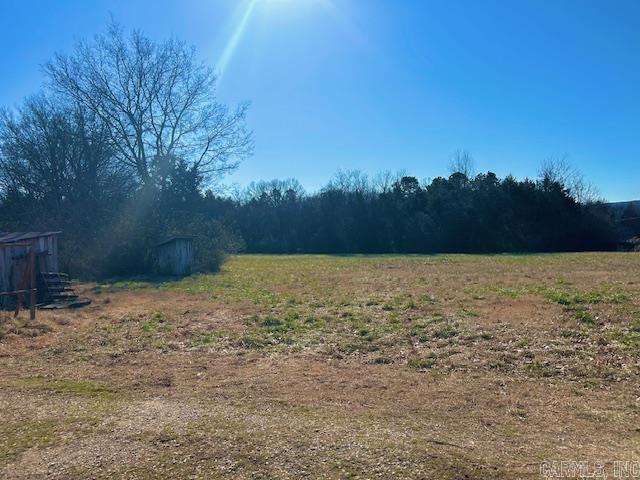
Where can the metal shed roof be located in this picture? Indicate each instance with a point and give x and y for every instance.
(11, 237)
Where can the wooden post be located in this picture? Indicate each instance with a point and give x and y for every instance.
(18, 304)
(32, 282)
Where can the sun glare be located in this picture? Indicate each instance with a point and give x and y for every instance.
(234, 40)
(249, 10)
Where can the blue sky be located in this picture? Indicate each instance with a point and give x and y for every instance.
(390, 84)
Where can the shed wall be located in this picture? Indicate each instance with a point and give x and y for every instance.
(12, 260)
(176, 257)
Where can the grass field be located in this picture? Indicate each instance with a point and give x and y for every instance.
(442, 367)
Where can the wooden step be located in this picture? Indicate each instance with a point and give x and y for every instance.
(76, 303)
(59, 292)
(54, 275)
(59, 285)
(59, 288)
(64, 297)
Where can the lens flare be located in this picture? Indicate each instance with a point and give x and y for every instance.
(234, 41)
(249, 11)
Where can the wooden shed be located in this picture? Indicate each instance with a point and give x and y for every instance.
(14, 253)
(174, 256)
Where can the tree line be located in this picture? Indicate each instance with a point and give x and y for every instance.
(127, 144)
(460, 213)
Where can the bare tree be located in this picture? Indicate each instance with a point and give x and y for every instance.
(52, 152)
(351, 181)
(157, 100)
(383, 181)
(560, 171)
(556, 170)
(287, 189)
(462, 162)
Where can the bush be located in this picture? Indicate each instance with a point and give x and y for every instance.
(123, 246)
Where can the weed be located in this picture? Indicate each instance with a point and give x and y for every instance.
(628, 337)
(573, 334)
(419, 331)
(583, 315)
(382, 361)
(254, 341)
(274, 325)
(313, 322)
(427, 299)
(470, 313)
(410, 305)
(363, 332)
(422, 363)
(448, 331)
(539, 369)
(154, 322)
(519, 412)
(510, 292)
(204, 339)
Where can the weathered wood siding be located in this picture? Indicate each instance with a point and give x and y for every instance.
(176, 257)
(9, 266)
(49, 244)
(13, 260)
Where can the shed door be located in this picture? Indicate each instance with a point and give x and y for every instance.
(20, 273)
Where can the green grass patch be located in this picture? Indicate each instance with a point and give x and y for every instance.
(627, 337)
(16, 438)
(539, 369)
(436, 327)
(449, 330)
(419, 330)
(205, 339)
(422, 363)
(65, 386)
(154, 322)
(511, 292)
(583, 316)
(570, 298)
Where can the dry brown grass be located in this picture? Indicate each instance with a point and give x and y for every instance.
(443, 367)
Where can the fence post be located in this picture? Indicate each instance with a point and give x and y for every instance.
(32, 282)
